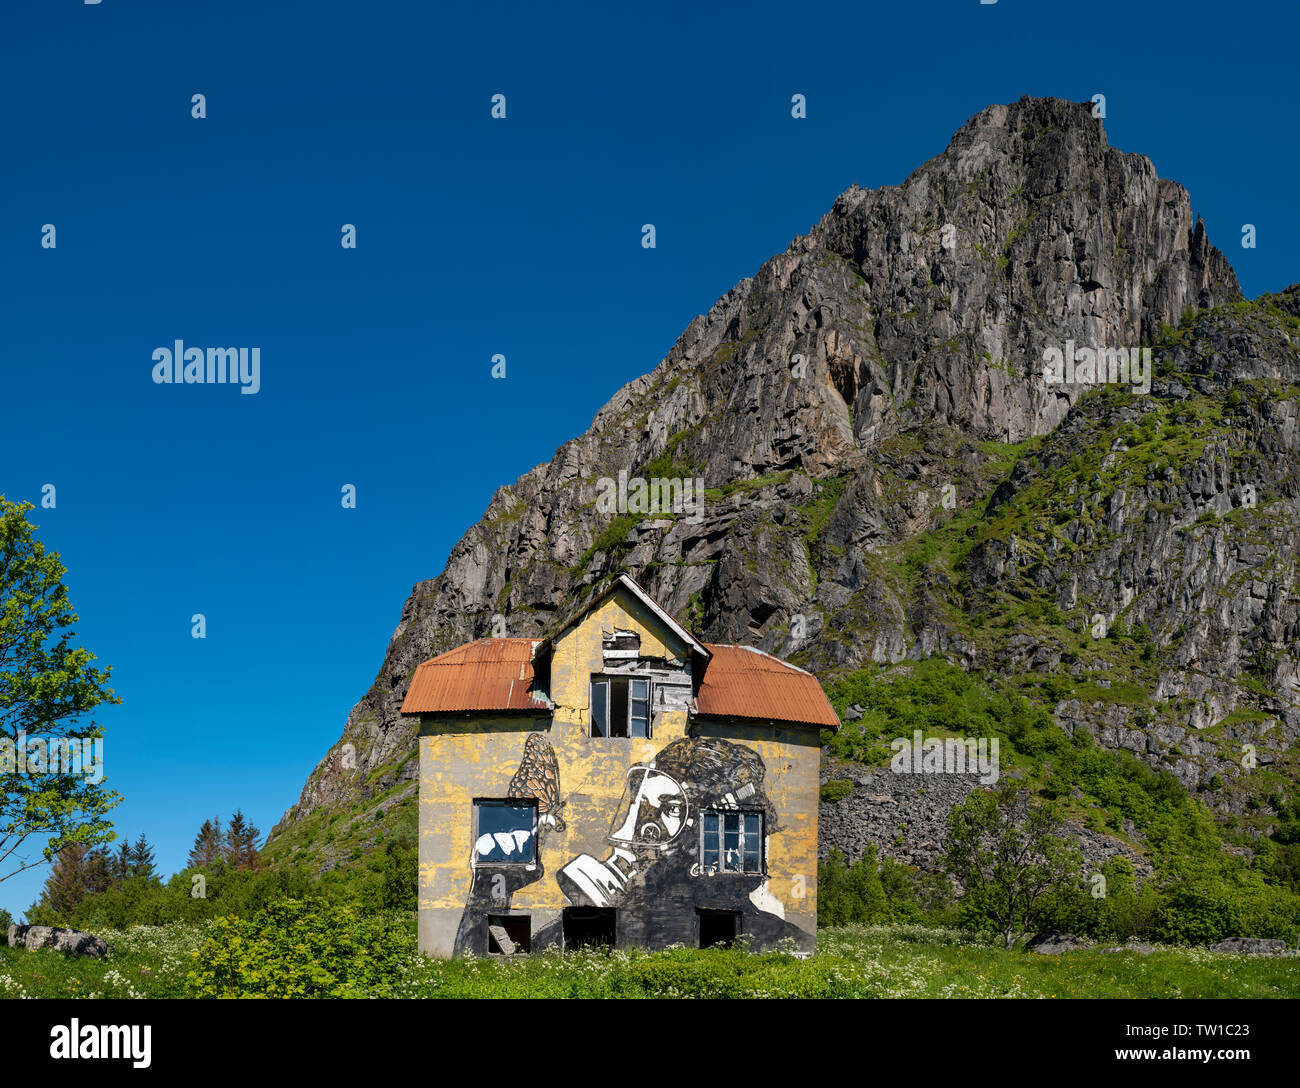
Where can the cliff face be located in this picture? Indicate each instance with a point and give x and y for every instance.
(890, 476)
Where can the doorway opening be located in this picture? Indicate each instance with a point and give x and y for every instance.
(588, 927)
(719, 928)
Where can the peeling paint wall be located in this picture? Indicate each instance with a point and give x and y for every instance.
(617, 820)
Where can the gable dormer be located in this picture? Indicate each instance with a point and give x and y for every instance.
(624, 668)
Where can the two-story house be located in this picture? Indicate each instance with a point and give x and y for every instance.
(618, 783)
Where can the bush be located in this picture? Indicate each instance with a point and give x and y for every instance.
(6, 920)
(1210, 909)
(852, 894)
(300, 948)
(836, 790)
(690, 974)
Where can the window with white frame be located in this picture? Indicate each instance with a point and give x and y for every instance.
(731, 841)
(620, 706)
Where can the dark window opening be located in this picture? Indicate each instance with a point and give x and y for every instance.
(620, 706)
(509, 934)
(588, 927)
(719, 928)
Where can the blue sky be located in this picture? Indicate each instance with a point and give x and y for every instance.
(474, 237)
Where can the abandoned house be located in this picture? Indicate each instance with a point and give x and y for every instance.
(619, 783)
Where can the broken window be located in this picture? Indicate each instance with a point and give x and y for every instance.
(731, 842)
(509, 934)
(620, 706)
(504, 832)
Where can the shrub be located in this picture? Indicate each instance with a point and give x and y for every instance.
(1209, 909)
(300, 948)
(836, 790)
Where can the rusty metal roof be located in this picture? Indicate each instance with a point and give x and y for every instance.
(496, 674)
(741, 682)
(487, 674)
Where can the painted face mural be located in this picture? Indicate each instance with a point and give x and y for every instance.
(660, 815)
(653, 811)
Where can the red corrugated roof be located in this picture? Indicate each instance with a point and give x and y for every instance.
(487, 674)
(741, 682)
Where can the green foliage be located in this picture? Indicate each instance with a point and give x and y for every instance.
(46, 687)
(850, 895)
(867, 892)
(1122, 783)
(941, 700)
(1008, 853)
(300, 948)
(1210, 908)
(6, 920)
(836, 790)
(384, 878)
(851, 962)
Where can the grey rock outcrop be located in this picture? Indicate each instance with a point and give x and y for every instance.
(59, 939)
(1053, 943)
(906, 817)
(1251, 946)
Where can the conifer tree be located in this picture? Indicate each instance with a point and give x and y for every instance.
(142, 859)
(65, 887)
(241, 842)
(122, 863)
(209, 845)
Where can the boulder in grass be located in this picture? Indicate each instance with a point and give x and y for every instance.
(1251, 946)
(1053, 943)
(61, 940)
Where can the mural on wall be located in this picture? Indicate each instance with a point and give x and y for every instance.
(690, 833)
(539, 777)
(496, 871)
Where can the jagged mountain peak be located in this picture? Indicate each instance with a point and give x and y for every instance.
(827, 402)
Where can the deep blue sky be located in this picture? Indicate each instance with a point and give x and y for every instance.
(475, 236)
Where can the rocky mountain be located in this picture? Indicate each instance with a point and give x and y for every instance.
(889, 476)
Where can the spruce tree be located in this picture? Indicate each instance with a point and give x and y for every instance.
(142, 859)
(241, 842)
(208, 845)
(123, 863)
(65, 887)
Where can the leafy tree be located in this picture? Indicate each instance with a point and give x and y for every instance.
(46, 689)
(241, 842)
(1007, 853)
(399, 871)
(209, 845)
(850, 894)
